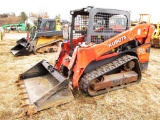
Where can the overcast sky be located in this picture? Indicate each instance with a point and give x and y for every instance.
(63, 7)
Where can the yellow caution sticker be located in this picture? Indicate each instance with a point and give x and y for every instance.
(99, 36)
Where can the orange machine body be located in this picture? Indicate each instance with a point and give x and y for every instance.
(83, 55)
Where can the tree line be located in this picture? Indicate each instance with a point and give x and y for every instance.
(9, 18)
(24, 16)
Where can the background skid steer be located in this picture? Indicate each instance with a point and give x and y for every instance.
(155, 40)
(44, 39)
(98, 58)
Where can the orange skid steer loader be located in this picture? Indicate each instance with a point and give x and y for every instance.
(97, 59)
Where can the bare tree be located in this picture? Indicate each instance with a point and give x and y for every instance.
(12, 14)
(58, 16)
(4, 15)
(39, 14)
(43, 14)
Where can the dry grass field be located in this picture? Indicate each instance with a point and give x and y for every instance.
(138, 102)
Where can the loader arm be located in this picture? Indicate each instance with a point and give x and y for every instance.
(141, 33)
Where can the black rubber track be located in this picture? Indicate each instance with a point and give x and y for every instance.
(88, 77)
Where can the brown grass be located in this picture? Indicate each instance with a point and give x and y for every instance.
(140, 101)
(10, 20)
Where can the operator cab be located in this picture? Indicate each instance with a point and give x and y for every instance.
(46, 24)
(97, 25)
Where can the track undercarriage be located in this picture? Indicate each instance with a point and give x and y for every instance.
(47, 47)
(155, 42)
(100, 81)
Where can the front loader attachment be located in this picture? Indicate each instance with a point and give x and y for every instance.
(43, 87)
(21, 48)
(22, 40)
